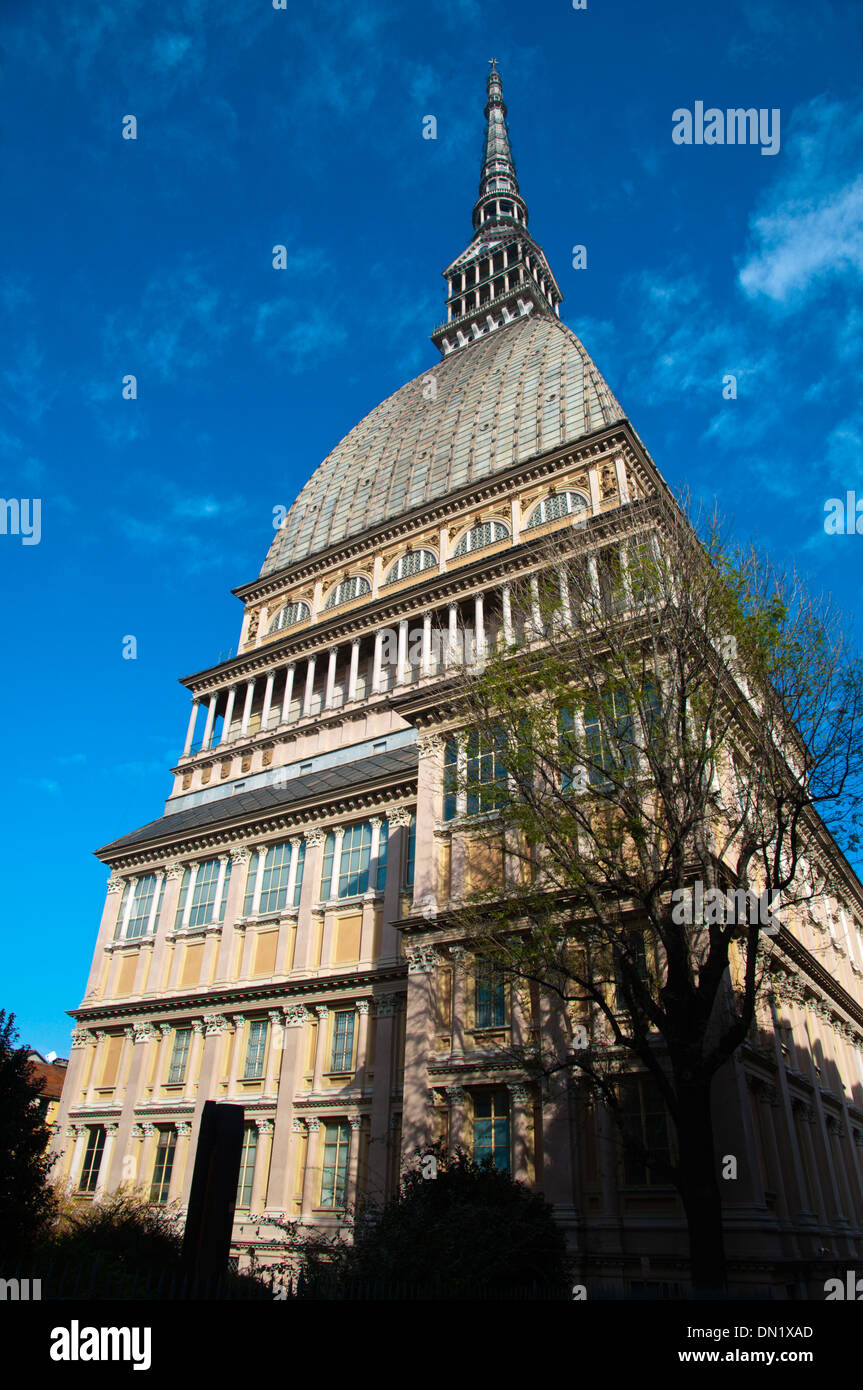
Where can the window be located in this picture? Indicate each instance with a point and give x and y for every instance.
(343, 1040)
(256, 1049)
(247, 1166)
(553, 507)
(275, 879)
(334, 1177)
(355, 875)
(450, 779)
(410, 857)
(485, 772)
(608, 736)
(349, 589)
(413, 562)
(206, 903)
(645, 1117)
(479, 536)
(489, 996)
(92, 1158)
(491, 1128)
(289, 615)
(141, 895)
(179, 1056)
(163, 1167)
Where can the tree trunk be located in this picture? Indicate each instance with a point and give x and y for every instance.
(699, 1188)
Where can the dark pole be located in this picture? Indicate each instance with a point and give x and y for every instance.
(213, 1195)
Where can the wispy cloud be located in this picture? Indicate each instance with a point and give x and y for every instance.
(808, 229)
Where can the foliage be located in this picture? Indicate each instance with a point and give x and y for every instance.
(26, 1204)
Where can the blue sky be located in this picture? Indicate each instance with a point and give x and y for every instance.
(304, 127)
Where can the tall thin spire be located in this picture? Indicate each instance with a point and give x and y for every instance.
(503, 275)
(498, 167)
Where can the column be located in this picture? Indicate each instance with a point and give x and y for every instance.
(386, 1010)
(322, 1011)
(457, 1117)
(167, 915)
(307, 920)
(229, 714)
(102, 1180)
(479, 623)
(566, 606)
(458, 956)
(426, 657)
(211, 719)
(268, 698)
(418, 1028)
(77, 1158)
(261, 851)
(190, 891)
(506, 605)
(401, 669)
(355, 1122)
(181, 1160)
(355, 663)
(274, 1052)
(247, 708)
(240, 856)
(236, 1058)
(535, 613)
(283, 1148)
(290, 671)
(258, 1198)
(333, 653)
(197, 1046)
(313, 1126)
(519, 1097)
(310, 685)
(190, 732)
(452, 636)
(376, 670)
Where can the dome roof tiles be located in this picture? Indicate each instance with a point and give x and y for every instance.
(527, 388)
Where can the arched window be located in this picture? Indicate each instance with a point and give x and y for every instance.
(413, 562)
(289, 615)
(478, 537)
(553, 507)
(349, 589)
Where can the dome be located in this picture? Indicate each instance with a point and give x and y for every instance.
(523, 390)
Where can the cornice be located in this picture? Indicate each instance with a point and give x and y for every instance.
(215, 1000)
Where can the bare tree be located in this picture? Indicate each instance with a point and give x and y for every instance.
(664, 742)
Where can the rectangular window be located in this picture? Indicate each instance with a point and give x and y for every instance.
(646, 1117)
(163, 1167)
(256, 1049)
(247, 1166)
(179, 1056)
(410, 858)
(204, 908)
(334, 1177)
(343, 1040)
(491, 1128)
(485, 773)
(609, 739)
(489, 996)
(142, 893)
(274, 880)
(450, 779)
(92, 1158)
(354, 864)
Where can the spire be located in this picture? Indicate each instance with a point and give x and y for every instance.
(503, 275)
(498, 168)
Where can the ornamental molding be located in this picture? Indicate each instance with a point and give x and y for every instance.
(362, 1007)
(115, 884)
(296, 1015)
(136, 1132)
(174, 869)
(214, 1023)
(184, 1129)
(143, 1032)
(400, 817)
(421, 959)
(264, 1126)
(240, 854)
(456, 1094)
(82, 1037)
(387, 1005)
(429, 745)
